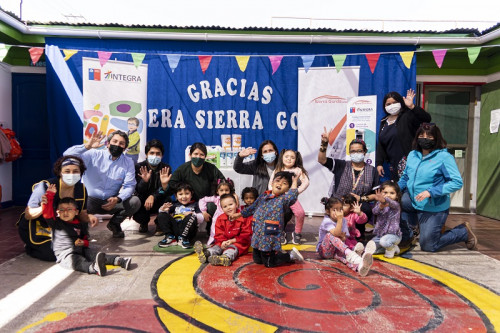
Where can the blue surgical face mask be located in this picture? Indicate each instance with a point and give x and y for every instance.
(269, 157)
(357, 157)
(154, 160)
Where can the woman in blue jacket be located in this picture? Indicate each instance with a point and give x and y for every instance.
(431, 175)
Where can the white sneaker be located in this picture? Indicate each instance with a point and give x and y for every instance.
(359, 248)
(390, 253)
(371, 247)
(353, 258)
(295, 255)
(366, 264)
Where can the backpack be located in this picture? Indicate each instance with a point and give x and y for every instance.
(15, 147)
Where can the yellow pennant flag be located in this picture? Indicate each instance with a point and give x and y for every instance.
(69, 53)
(242, 62)
(407, 58)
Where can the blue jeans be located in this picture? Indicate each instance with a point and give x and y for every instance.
(387, 242)
(431, 223)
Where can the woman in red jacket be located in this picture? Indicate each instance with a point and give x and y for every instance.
(232, 236)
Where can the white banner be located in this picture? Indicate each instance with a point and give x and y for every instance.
(362, 124)
(322, 102)
(115, 98)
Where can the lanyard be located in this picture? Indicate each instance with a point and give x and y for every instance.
(354, 180)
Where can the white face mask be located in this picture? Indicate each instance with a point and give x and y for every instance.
(357, 157)
(154, 160)
(393, 108)
(70, 179)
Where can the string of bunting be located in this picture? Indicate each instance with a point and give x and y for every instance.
(242, 60)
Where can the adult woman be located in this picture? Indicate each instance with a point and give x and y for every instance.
(262, 167)
(68, 171)
(351, 177)
(397, 131)
(431, 175)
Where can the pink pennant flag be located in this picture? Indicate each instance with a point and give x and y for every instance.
(372, 60)
(35, 54)
(104, 57)
(439, 56)
(204, 62)
(275, 62)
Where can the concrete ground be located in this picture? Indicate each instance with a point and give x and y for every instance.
(453, 290)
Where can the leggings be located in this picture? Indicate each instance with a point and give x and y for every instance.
(299, 213)
(334, 248)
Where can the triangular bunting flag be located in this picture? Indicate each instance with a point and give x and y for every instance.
(4, 49)
(35, 54)
(173, 61)
(339, 59)
(242, 62)
(138, 58)
(407, 58)
(372, 60)
(204, 62)
(439, 56)
(307, 60)
(104, 57)
(275, 62)
(473, 53)
(69, 53)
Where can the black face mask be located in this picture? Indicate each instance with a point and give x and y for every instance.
(425, 143)
(115, 150)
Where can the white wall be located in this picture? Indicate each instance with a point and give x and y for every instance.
(6, 118)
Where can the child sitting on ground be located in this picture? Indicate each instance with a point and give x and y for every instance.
(179, 220)
(387, 233)
(353, 215)
(268, 221)
(332, 234)
(232, 236)
(248, 195)
(70, 238)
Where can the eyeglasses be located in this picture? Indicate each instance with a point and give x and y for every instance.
(427, 126)
(66, 210)
(356, 151)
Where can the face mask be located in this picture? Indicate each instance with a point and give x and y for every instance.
(197, 161)
(357, 157)
(115, 150)
(70, 179)
(393, 108)
(154, 160)
(425, 143)
(269, 157)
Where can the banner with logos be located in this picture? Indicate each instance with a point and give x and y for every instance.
(323, 97)
(362, 124)
(115, 98)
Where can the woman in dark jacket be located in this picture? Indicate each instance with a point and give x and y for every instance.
(397, 130)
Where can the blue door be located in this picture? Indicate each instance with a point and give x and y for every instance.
(30, 122)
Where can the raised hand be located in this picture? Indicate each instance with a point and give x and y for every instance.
(165, 176)
(356, 208)
(166, 206)
(95, 140)
(325, 135)
(410, 95)
(52, 188)
(247, 152)
(145, 174)
(379, 196)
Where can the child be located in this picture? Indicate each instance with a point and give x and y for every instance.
(387, 231)
(353, 215)
(70, 238)
(179, 220)
(232, 236)
(290, 160)
(248, 195)
(134, 139)
(332, 233)
(223, 187)
(268, 212)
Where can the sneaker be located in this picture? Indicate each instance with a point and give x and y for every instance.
(100, 264)
(167, 241)
(366, 264)
(283, 238)
(471, 242)
(296, 238)
(359, 248)
(295, 255)
(201, 252)
(143, 229)
(184, 243)
(390, 253)
(116, 230)
(222, 260)
(125, 263)
(353, 258)
(158, 232)
(371, 247)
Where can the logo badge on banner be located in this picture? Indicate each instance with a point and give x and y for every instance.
(94, 74)
(362, 124)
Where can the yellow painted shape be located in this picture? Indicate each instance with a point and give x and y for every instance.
(487, 301)
(350, 135)
(112, 267)
(175, 287)
(174, 323)
(104, 124)
(305, 247)
(95, 119)
(55, 316)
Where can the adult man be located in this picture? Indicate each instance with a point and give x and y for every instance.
(147, 175)
(110, 178)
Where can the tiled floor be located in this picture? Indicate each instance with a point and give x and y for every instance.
(10, 243)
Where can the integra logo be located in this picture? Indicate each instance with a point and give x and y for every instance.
(110, 76)
(328, 99)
